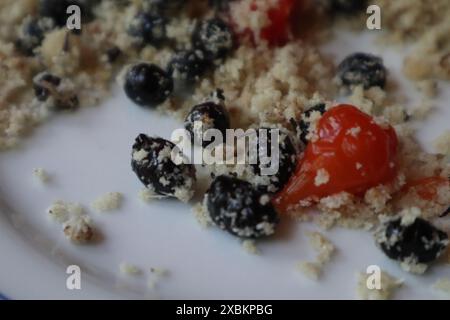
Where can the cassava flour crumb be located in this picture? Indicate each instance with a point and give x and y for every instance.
(129, 269)
(147, 195)
(61, 211)
(160, 272)
(201, 215)
(312, 270)
(410, 265)
(79, 229)
(322, 177)
(156, 274)
(108, 202)
(367, 289)
(324, 248)
(250, 247)
(153, 277)
(442, 285)
(77, 226)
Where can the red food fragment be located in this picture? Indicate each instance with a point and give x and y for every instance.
(426, 188)
(278, 29)
(356, 153)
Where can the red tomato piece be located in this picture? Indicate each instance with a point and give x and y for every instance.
(353, 150)
(426, 188)
(279, 28)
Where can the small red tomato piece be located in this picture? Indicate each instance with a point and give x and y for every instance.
(352, 150)
(278, 30)
(280, 18)
(427, 188)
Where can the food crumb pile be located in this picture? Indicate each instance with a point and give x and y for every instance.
(108, 202)
(231, 65)
(76, 224)
(325, 250)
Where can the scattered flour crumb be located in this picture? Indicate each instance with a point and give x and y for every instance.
(160, 272)
(76, 224)
(322, 177)
(443, 285)
(322, 245)
(250, 247)
(409, 216)
(324, 249)
(410, 265)
(140, 155)
(185, 193)
(264, 199)
(201, 215)
(354, 131)
(61, 211)
(78, 229)
(155, 276)
(329, 220)
(313, 121)
(41, 175)
(382, 122)
(107, 202)
(377, 198)
(388, 285)
(312, 270)
(147, 195)
(129, 269)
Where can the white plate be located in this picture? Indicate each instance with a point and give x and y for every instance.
(88, 154)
